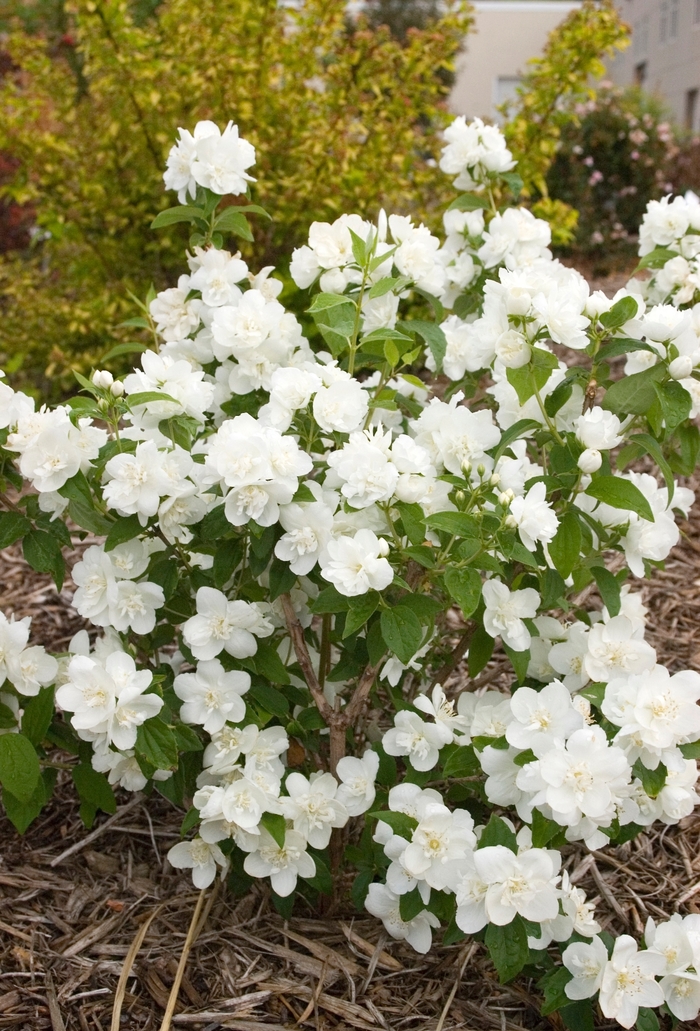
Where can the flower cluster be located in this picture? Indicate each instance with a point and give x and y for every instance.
(301, 540)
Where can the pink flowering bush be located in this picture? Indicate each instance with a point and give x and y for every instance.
(613, 159)
(299, 546)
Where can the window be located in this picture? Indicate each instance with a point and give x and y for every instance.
(640, 73)
(663, 22)
(504, 90)
(691, 107)
(673, 19)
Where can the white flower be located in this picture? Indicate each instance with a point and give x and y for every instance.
(513, 349)
(586, 961)
(109, 698)
(211, 696)
(282, 864)
(200, 857)
(14, 635)
(357, 564)
(660, 709)
(243, 803)
(615, 648)
(542, 718)
(220, 159)
(357, 776)
(341, 407)
(313, 807)
(133, 708)
(590, 460)
(93, 575)
(222, 624)
(628, 982)
(472, 151)
(384, 904)
(505, 611)
(89, 694)
(308, 527)
(215, 274)
(31, 669)
(443, 712)
(524, 884)
(567, 657)
(440, 837)
(174, 315)
(598, 429)
(133, 605)
(682, 994)
(137, 482)
(364, 469)
(420, 741)
(534, 517)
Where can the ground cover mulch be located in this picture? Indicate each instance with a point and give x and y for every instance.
(80, 910)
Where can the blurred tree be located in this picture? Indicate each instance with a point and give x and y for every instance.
(401, 15)
(341, 122)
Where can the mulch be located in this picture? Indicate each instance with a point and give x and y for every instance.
(73, 902)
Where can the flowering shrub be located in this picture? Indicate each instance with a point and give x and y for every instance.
(614, 159)
(285, 531)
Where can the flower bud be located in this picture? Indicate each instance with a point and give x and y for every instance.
(103, 379)
(460, 497)
(467, 469)
(481, 471)
(381, 225)
(495, 479)
(590, 460)
(681, 367)
(511, 522)
(506, 497)
(117, 389)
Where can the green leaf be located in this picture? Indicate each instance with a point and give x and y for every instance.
(191, 820)
(609, 588)
(514, 432)
(282, 579)
(480, 651)
(508, 948)
(322, 880)
(464, 586)
(468, 202)
(144, 397)
(620, 493)
(459, 524)
(231, 220)
(94, 788)
(675, 402)
(519, 661)
(533, 376)
(656, 258)
(226, 559)
(497, 832)
(620, 313)
(383, 286)
(13, 525)
(653, 781)
(565, 547)
(322, 302)
(361, 608)
(461, 762)
(37, 715)
(156, 742)
(413, 522)
(543, 830)
(22, 814)
(647, 1019)
(691, 750)
(552, 589)
(43, 553)
(125, 529)
(651, 446)
(119, 349)
(433, 336)
(269, 698)
(623, 346)
(578, 1016)
(86, 516)
(410, 905)
(553, 984)
(19, 766)
(276, 826)
(514, 183)
(269, 665)
(8, 720)
(187, 738)
(165, 574)
(400, 823)
(633, 395)
(329, 600)
(402, 632)
(215, 524)
(183, 213)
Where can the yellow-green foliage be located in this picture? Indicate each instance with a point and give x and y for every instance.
(342, 121)
(554, 84)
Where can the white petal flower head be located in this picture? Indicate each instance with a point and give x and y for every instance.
(420, 741)
(90, 694)
(443, 712)
(505, 611)
(313, 807)
(243, 803)
(382, 903)
(525, 884)
(222, 624)
(133, 606)
(586, 961)
(136, 482)
(660, 709)
(441, 837)
(283, 864)
(221, 159)
(133, 708)
(598, 429)
(616, 648)
(200, 857)
(534, 517)
(357, 779)
(629, 982)
(670, 939)
(682, 994)
(341, 407)
(356, 565)
(542, 718)
(470, 890)
(212, 697)
(31, 669)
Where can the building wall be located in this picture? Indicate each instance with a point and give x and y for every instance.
(664, 56)
(507, 34)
